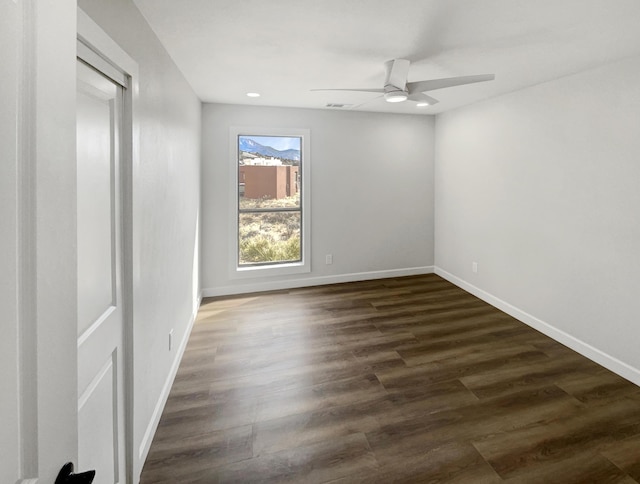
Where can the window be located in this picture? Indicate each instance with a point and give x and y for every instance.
(270, 195)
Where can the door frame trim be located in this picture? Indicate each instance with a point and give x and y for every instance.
(104, 47)
(27, 246)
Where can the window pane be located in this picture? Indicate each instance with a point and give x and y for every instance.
(269, 237)
(269, 173)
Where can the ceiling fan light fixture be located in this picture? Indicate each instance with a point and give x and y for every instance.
(395, 96)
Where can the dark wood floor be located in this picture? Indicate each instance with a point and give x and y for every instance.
(396, 380)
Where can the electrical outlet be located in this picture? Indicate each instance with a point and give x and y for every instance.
(170, 340)
(328, 259)
(474, 267)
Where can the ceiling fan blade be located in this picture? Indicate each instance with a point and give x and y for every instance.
(397, 72)
(433, 84)
(366, 102)
(423, 98)
(355, 90)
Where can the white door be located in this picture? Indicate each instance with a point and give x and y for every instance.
(101, 419)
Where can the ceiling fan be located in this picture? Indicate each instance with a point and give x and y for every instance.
(397, 89)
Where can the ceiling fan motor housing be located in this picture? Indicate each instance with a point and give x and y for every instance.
(393, 94)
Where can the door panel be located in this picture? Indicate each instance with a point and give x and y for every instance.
(100, 313)
(96, 244)
(98, 423)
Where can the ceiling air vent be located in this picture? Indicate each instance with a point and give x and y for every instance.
(338, 106)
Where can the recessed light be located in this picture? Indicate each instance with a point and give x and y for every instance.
(253, 94)
(422, 105)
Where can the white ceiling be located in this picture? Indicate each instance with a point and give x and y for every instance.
(284, 48)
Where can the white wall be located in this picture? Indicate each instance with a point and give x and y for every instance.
(166, 199)
(540, 188)
(371, 194)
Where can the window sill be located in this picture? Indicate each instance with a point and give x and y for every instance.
(254, 272)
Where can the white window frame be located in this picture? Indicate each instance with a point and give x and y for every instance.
(280, 268)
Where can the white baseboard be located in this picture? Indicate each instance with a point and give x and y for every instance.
(610, 362)
(145, 444)
(313, 281)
